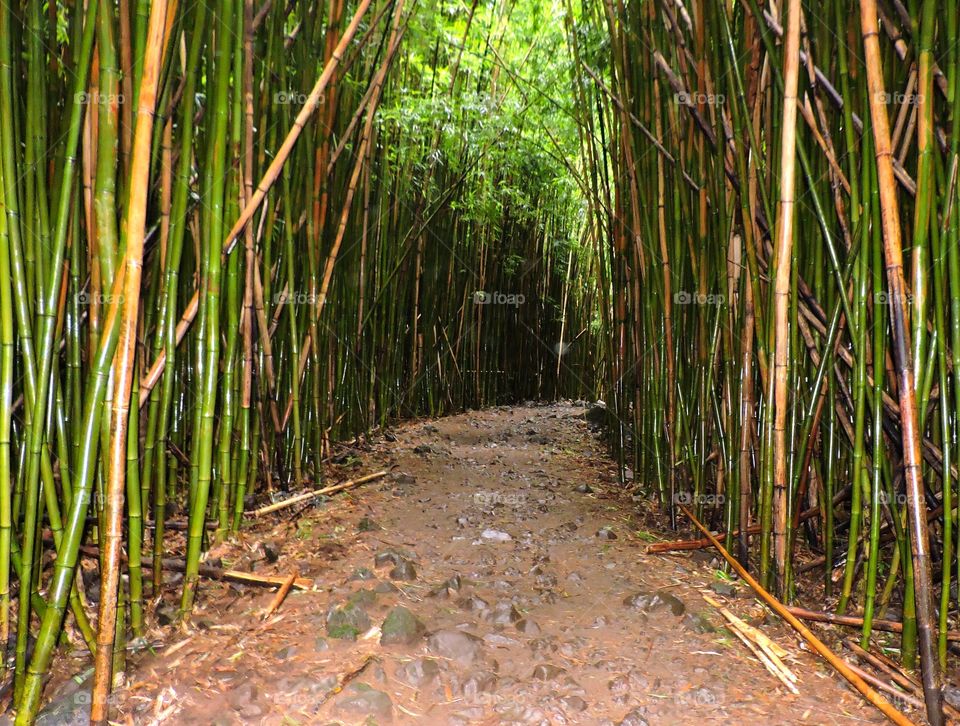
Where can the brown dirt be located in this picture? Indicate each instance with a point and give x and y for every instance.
(513, 470)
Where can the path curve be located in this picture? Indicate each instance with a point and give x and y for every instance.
(525, 597)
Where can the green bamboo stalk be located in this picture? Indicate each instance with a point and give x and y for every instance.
(67, 555)
(203, 449)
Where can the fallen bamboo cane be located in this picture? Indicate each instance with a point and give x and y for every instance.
(280, 596)
(244, 578)
(248, 578)
(173, 564)
(306, 496)
(703, 542)
(852, 621)
(769, 653)
(680, 545)
(897, 675)
(839, 664)
(883, 685)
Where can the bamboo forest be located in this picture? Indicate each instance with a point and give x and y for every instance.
(479, 361)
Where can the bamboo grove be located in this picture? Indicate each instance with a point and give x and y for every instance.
(235, 232)
(774, 186)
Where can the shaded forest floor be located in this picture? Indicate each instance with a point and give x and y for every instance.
(523, 589)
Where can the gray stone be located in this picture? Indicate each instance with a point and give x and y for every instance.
(619, 684)
(271, 551)
(363, 598)
(368, 525)
(528, 627)
(401, 627)
(504, 613)
(574, 704)
(347, 622)
(361, 700)
(419, 672)
(479, 682)
(634, 718)
(727, 589)
(285, 652)
(649, 602)
(499, 640)
(456, 645)
(495, 535)
(698, 623)
(547, 672)
(362, 574)
(70, 708)
(404, 570)
(472, 603)
(385, 558)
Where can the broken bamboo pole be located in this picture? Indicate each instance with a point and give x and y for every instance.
(828, 655)
(306, 496)
(280, 596)
(852, 621)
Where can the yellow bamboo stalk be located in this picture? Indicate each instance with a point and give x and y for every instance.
(784, 247)
(123, 369)
(909, 419)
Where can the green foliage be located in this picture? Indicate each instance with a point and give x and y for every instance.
(504, 106)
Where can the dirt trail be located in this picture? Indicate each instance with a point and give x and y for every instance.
(502, 533)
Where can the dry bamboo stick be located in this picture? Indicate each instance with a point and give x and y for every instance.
(896, 674)
(280, 596)
(175, 564)
(306, 496)
(888, 687)
(767, 651)
(838, 663)
(123, 362)
(853, 621)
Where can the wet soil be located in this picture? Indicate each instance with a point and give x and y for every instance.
(496, 576)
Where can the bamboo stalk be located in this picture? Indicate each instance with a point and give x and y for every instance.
(908, 404)
(266, 182)
(782, 292)
(123, 363)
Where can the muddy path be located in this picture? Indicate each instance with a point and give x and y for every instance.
(496, 576)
